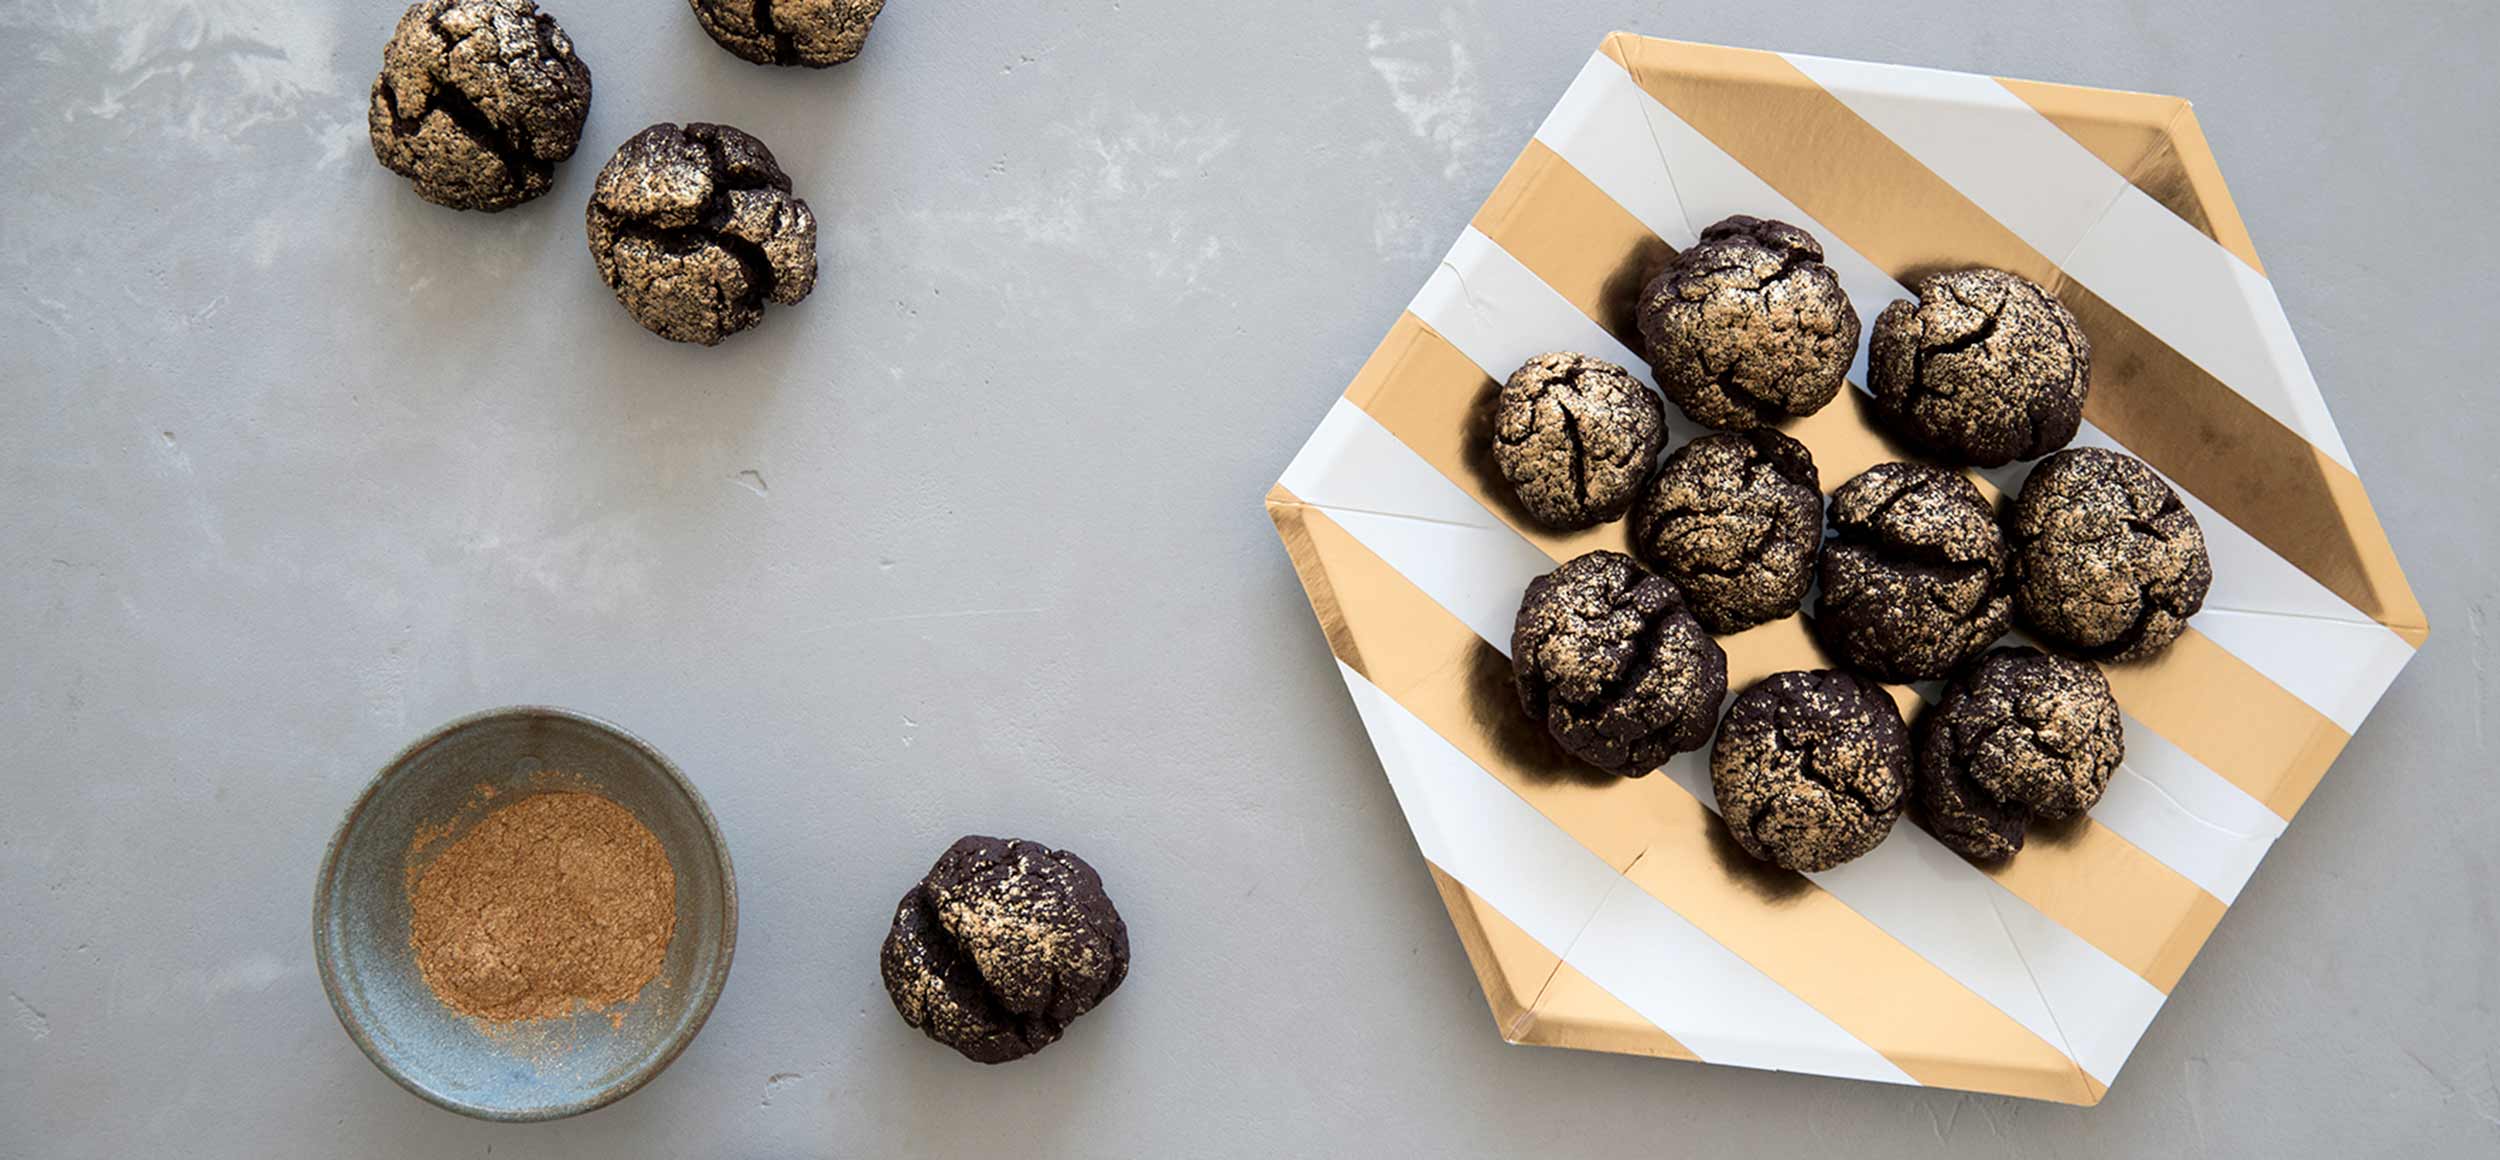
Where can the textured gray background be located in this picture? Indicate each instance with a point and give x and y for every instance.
(294, 466)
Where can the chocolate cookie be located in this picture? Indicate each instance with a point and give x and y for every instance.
(1914, 577)
(2020, 733)
(1736, 520)
(1985, 368)
(1575, 436)
(1608, 658)
(1749, 326)
(1811, 768)
(815, 33)
(477, 101)
(695, 228)
(1001, 946)
(2108, 564)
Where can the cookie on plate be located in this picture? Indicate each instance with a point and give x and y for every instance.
(1736, 520)
(1609, 659)
(2020, 733)
(1748, 326)
(1914, 575)
(1984, 368)
(2108, 564)
(1811, 768)
(1575, 436)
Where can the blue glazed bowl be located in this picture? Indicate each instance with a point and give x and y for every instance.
(436, 788)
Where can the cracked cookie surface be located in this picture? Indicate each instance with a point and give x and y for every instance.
(1575, 436)
(2019, 733)
(1811, 769)
(477, 101)
(1607, 656)
(1985, 368)
(1914, 577)
(1748, 326)
(1736, 520)
(695, 229)
(1001, 946)
(2108, 564)
(815, 33)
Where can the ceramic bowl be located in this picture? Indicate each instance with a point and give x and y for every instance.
(537, 1069)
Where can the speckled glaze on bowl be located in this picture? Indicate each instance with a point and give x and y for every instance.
(540, 1069)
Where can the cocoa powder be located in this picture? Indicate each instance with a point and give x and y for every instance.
(555, 900)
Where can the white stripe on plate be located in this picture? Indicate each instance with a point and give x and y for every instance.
(2025, 172)
(2340, 673)
(2167, 804)
(1916, 890)
(1477, 831)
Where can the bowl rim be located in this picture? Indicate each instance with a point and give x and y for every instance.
(707, 992)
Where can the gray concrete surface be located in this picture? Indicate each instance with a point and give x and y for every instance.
(293, 467)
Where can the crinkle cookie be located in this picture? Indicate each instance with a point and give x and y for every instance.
(2108, 564)
(1984, 368)
(1620, 673)
(1736, 520)
(1575, 436)
(2020, 733)
(477, 101)
(1811, 768)
(695, 229)
(815, 33)
(1001, 946)
(1749, 326)
(1914, 575)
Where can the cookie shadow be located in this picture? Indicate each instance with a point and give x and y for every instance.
(1519, 742)
(1479, 463)
(2056, 831)
(1621, 291)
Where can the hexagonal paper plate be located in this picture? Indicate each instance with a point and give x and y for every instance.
(1615, 915)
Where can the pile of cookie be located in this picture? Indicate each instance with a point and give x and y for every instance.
(694, 227)
(1914, 575)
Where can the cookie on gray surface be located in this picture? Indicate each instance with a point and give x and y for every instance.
(1811, 769)
(815, 33)
(695, 229)
(1736, 520)
(477, 101)
(1001, 946)
(1914, 575)
(1748, 326)
(1985, 368)
(2108, 564)
(1607, 656)
(1575, 436)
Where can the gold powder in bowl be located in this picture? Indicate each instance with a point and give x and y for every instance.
(554, 900)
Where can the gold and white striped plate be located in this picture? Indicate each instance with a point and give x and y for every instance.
(1617, 916)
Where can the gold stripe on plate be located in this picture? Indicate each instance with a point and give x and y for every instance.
(1886, 205)
(1409, 396)
(2154, 142)
(1656, 834)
